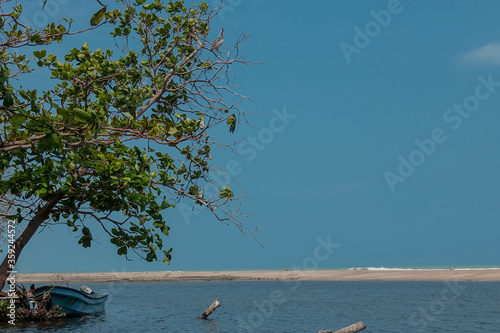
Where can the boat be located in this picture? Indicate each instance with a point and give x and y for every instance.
(74, 302)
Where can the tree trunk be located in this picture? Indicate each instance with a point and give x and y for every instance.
(30, 230)
(350, 329)
(210, 309)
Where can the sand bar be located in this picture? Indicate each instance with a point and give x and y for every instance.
(320, 275)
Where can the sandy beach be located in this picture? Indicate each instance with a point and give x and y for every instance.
(319, 275)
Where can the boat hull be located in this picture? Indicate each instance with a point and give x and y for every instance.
(73, 302)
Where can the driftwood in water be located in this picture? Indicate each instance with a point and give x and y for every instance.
(44, 302)
(350, 329)
(39, 314)
(210, 309)
(24, 312)
(22, 297)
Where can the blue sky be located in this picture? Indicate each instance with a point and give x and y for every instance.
(337, 124)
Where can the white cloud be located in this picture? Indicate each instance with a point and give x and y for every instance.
(485, 55)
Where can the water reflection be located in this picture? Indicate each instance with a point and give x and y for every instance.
(211, 326)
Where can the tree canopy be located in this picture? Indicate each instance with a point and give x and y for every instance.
(120, 135)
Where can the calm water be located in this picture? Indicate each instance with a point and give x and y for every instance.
(290, 307)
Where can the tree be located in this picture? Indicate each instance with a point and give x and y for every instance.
(117, 139)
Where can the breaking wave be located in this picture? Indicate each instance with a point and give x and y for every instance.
(420, 269)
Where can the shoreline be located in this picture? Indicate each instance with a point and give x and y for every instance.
(281, 275)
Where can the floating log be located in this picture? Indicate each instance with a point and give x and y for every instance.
(350, 329)
(210, 309)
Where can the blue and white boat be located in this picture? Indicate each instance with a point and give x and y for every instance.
(74, 302)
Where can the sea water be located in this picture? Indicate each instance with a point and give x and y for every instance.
(295, 306)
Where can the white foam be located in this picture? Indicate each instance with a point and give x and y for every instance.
(420, 269)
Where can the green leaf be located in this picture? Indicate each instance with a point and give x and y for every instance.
(82, 115)
(226, 193)
(4, 75)
(193, 190)
(63, 112)
(40, 54)
(98, 16)
(86, 238)
(167, 255)
(231, 121)
(45, 143)
(56, 140)
(116, 241)
(36, 38)
(8, 101)
(17, 120)
(165, 230)
(122, 250)
(151, 256)
(162, 226)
